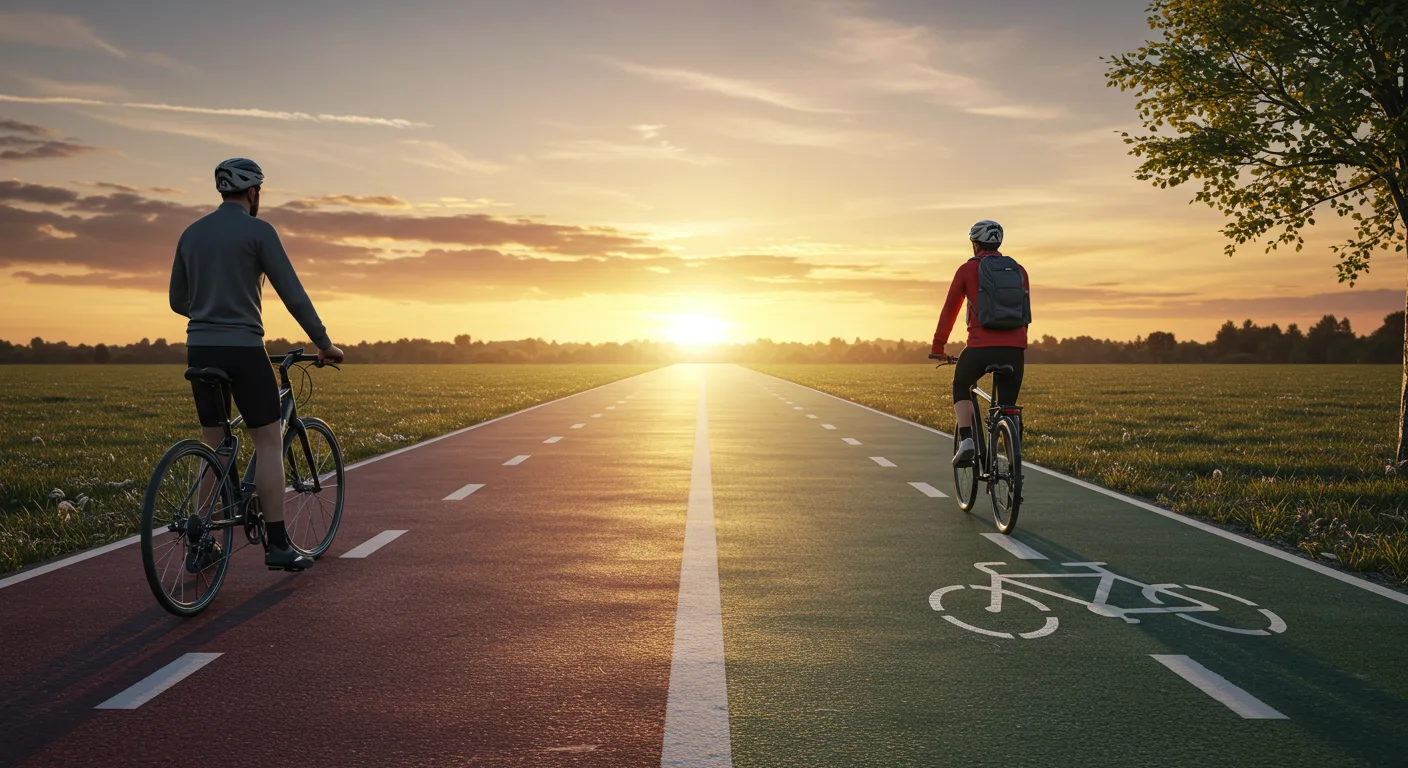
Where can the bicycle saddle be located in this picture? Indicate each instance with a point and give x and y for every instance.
(207, 375)
(1001, 370)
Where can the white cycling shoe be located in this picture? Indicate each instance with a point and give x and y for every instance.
(963, 457)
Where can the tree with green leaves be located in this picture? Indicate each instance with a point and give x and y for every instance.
(1281, 109)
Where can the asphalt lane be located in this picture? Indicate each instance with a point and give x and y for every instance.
(829, 561)
(532, 620)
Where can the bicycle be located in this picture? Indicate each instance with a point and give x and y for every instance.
(1004, 585)
(997, 459)
(193, 500)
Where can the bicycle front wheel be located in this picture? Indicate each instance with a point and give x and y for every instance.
(185, 550)
(313, 472)
(965, 479)
(1005, 488)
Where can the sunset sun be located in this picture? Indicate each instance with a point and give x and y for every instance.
(695, 329)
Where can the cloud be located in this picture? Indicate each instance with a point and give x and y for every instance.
(261, 114)
(819, 137)
(110, 186)
(355, 201)
(602, 151)
(648, 131)
(54, 30)
(15, 126)
(892, 57)
(443, 157)
(724, 86)
(78, 90)
(16, 191)
(24, 141)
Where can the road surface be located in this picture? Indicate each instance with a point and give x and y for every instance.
(706, 566)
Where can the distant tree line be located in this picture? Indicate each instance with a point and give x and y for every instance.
(1331, 340)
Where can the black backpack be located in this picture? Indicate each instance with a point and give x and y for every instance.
(1003, 301)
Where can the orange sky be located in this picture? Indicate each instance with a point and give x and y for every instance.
(609, 170)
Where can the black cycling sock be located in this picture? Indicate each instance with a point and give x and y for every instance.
(278, 535)
(965, 433)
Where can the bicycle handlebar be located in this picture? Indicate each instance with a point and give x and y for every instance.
(944, 359)
(296, 356)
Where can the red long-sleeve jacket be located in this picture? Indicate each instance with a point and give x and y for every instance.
(965, 287)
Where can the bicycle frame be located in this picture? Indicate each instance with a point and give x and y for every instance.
(1000, 584)
(230, 447)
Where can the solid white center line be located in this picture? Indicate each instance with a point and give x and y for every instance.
(158, 681)
(463, 492)
(1216, 686)
(929, 490)
(1018, 549)
(551, 440)
(373, 544)
(696, 708)
(577, 426)
(882, 461)
(516, 460)
(828, 426)
(850, 441)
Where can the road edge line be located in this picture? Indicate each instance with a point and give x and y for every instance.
(1341, 576)
(78, 557)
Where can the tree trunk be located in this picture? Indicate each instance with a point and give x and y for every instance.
(1403, 399)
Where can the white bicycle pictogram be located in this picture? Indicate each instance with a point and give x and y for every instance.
(1185, 606)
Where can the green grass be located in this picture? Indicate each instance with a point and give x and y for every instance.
(1291, 454)
(95, 432)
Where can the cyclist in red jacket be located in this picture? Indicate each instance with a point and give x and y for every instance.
(985, 346)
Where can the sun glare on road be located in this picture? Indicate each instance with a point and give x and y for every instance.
(695, 330)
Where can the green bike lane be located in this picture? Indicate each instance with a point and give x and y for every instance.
(828, 559)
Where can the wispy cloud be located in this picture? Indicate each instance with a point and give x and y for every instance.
(724, 86)
(443, 157)
(601, 151)
(20, 141)
(820, 137)
(351, 201)
(53, 30)
(262, 114)
(44, 86)
(648, 131)
(892, 57)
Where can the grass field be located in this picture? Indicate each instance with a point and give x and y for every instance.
(1292, 454)
(94, 433)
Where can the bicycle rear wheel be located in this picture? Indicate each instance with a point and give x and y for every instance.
(1005, 488)
(965, 479)
(185, 557)
(313, 470)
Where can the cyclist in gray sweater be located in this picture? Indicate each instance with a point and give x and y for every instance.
(216, 281)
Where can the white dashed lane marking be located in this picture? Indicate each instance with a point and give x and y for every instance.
(882, 461)
(463, 492)
(516, 460)
(152, 685)
(1018, 549)
(552, 440)
(610, 407)
(596, 415)
(929, 490)
(828, 426)
(373, 544)
(1217, 686)
(811, 415)
(850, 441)
(577, 426)
(797, 408)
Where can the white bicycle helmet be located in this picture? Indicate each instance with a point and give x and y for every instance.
(986, 232)
(237, 174)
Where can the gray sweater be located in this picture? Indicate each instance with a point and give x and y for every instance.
(217, 280)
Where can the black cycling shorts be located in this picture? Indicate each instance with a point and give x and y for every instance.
(974, 360)
(252, 383)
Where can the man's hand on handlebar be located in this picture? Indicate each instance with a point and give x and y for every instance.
(332, 354)
(943, 359)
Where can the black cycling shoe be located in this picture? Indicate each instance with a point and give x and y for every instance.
(286, 559)
(963, 457)
(200, 558)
